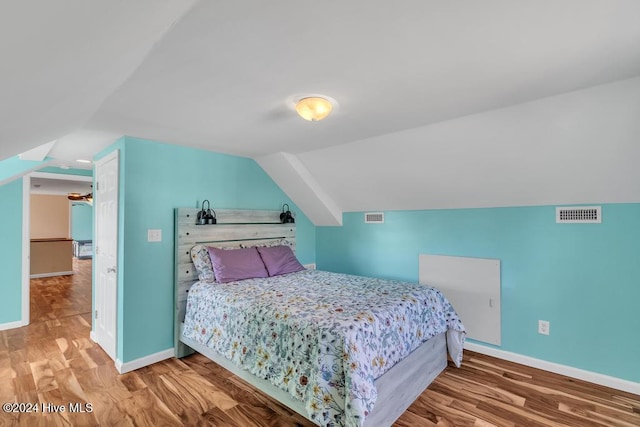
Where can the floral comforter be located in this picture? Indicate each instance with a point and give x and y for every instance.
(323, 337)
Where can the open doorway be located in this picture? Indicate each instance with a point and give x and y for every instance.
(59, 241)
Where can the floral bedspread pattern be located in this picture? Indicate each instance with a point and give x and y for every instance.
(352, 329)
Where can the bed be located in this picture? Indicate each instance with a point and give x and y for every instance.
(338, 349)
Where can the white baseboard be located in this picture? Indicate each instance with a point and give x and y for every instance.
(12, 325)
(593, 377)
(92, 335)
(144, 361)
(58, 273)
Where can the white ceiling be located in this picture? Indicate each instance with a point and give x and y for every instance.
(61, 59)
(577, 148)
(223, 76)
(59, 186)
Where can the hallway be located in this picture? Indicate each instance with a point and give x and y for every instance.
(62, 296)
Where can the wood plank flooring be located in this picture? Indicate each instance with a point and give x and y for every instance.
(53, 361)
(62, 296)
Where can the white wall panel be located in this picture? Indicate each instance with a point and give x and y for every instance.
(472, 285)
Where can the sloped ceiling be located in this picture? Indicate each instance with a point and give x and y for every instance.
(439, 103)
(61, 59)
(576, 148)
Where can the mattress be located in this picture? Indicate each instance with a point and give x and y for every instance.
(323, 337)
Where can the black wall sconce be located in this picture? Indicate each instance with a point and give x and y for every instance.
(206, 216)
(286, 217)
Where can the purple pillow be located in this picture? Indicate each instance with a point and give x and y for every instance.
(236, 264)
(279, 260)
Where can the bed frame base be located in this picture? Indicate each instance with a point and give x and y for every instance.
(397, 389)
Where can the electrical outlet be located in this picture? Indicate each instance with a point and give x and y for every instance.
(543, 327)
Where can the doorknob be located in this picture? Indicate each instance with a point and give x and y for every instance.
(111, 270)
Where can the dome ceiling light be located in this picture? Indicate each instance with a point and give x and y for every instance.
(314, 108)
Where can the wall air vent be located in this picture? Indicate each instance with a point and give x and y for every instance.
(374, 217)
(582, 214)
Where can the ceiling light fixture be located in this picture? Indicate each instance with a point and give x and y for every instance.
(83, 161)
(314, 108)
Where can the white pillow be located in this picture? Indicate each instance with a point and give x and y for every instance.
(202, 262)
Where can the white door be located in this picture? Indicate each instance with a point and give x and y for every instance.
(106, 252)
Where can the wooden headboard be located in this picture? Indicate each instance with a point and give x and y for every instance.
(234, 228)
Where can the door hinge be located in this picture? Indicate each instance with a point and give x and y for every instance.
(97, 186)
(96, 314)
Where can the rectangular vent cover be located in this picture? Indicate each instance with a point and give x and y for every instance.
(583, 214)
(374, 217)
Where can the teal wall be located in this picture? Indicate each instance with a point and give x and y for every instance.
(81, 221)
(11, 252)
(70, 171)
(15, 167)
(583, 278)
(155, 178)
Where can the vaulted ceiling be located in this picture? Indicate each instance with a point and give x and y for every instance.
(440, 104)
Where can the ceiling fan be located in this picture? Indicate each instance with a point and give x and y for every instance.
(79, 197)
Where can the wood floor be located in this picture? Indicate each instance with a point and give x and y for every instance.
(53, 362)
(62, 296)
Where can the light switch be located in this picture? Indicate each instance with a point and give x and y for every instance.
(154, 235)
